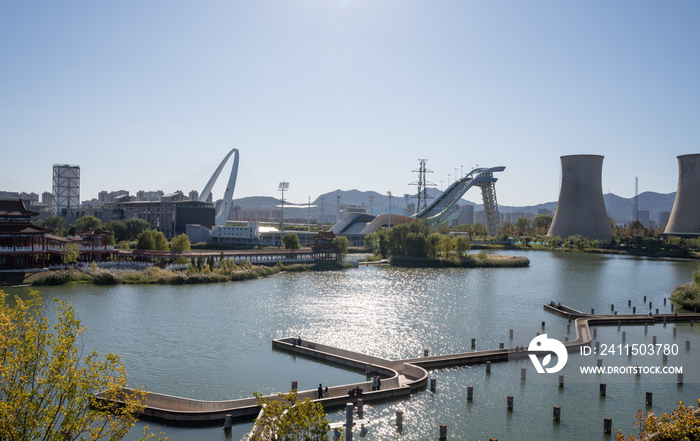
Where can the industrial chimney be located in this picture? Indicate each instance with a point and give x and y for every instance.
(685, 217)
(581, 209)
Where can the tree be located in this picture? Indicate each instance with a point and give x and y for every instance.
(341, 245)
(119, 228)
(72, 253)
(542, 222)
(86, 222)
(181, 243)
(683, 424)
(159, 241)
(291, 241)
(145, 240)
(522, 224)
(460, 245)
(70, 231)
(432, 245)
(134, 227)
(47, 390)
(290, 420)
(54, 222)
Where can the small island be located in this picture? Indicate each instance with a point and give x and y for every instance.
(414, 245)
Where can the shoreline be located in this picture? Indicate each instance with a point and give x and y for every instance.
(158, 276)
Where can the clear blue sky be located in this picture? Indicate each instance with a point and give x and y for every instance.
(346, 94)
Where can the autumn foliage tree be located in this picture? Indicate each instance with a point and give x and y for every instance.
(681, 425)
(285, 418)
(47, 389)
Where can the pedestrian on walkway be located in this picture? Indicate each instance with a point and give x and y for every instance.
(320, 391)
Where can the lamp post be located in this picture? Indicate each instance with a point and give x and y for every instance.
(389, 194)
(461, 171)
(371, 198)
(283, 186)
(337, 203)
(406, 196)
(448, 180)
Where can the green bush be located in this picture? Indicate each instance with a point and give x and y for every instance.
(104, 278)
(687, 296)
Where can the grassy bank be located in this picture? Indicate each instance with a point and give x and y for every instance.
(687, 296)
(471, 261)
(155, 275)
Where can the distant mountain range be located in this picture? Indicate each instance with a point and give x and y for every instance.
(620, 209)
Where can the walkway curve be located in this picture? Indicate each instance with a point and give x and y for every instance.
(400, 377)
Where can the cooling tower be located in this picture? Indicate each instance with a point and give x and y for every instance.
(581, 209)
(685, 216)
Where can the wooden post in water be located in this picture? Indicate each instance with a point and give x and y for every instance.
(399, 418)
(470, 392)
(501, 345)
(488, 367)
(294, 385)
(603, 388)
(680, 379)
(634, 310)
(687, 344)
(624, 335)
(557, 413)
(425, 352)
(649, 398)
(360, 406)
(511, 333)
(473, 343)
(612, 306)
(443, 431)
(522, 373)
(228, 422)
(349, 407)
(561, 381)
(433, 382)
(607, 425)
(674, 330)
(599, 363)
(653, 339)
(509, 402)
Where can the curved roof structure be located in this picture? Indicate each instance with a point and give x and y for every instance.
(351, 222)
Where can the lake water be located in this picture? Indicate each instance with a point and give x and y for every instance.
(213, 342)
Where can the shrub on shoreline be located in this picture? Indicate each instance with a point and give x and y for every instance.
(687, 296)
(154, 275)
(475, 261)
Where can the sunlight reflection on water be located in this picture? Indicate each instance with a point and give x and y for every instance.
(213, 341)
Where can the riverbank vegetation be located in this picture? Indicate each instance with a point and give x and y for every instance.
(413, 245)
(194, 274)
(688, 296)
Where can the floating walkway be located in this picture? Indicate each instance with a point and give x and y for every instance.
(399, 378)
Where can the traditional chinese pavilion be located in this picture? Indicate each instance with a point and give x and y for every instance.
(322, 247)
(25, 246)
(22, 244)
